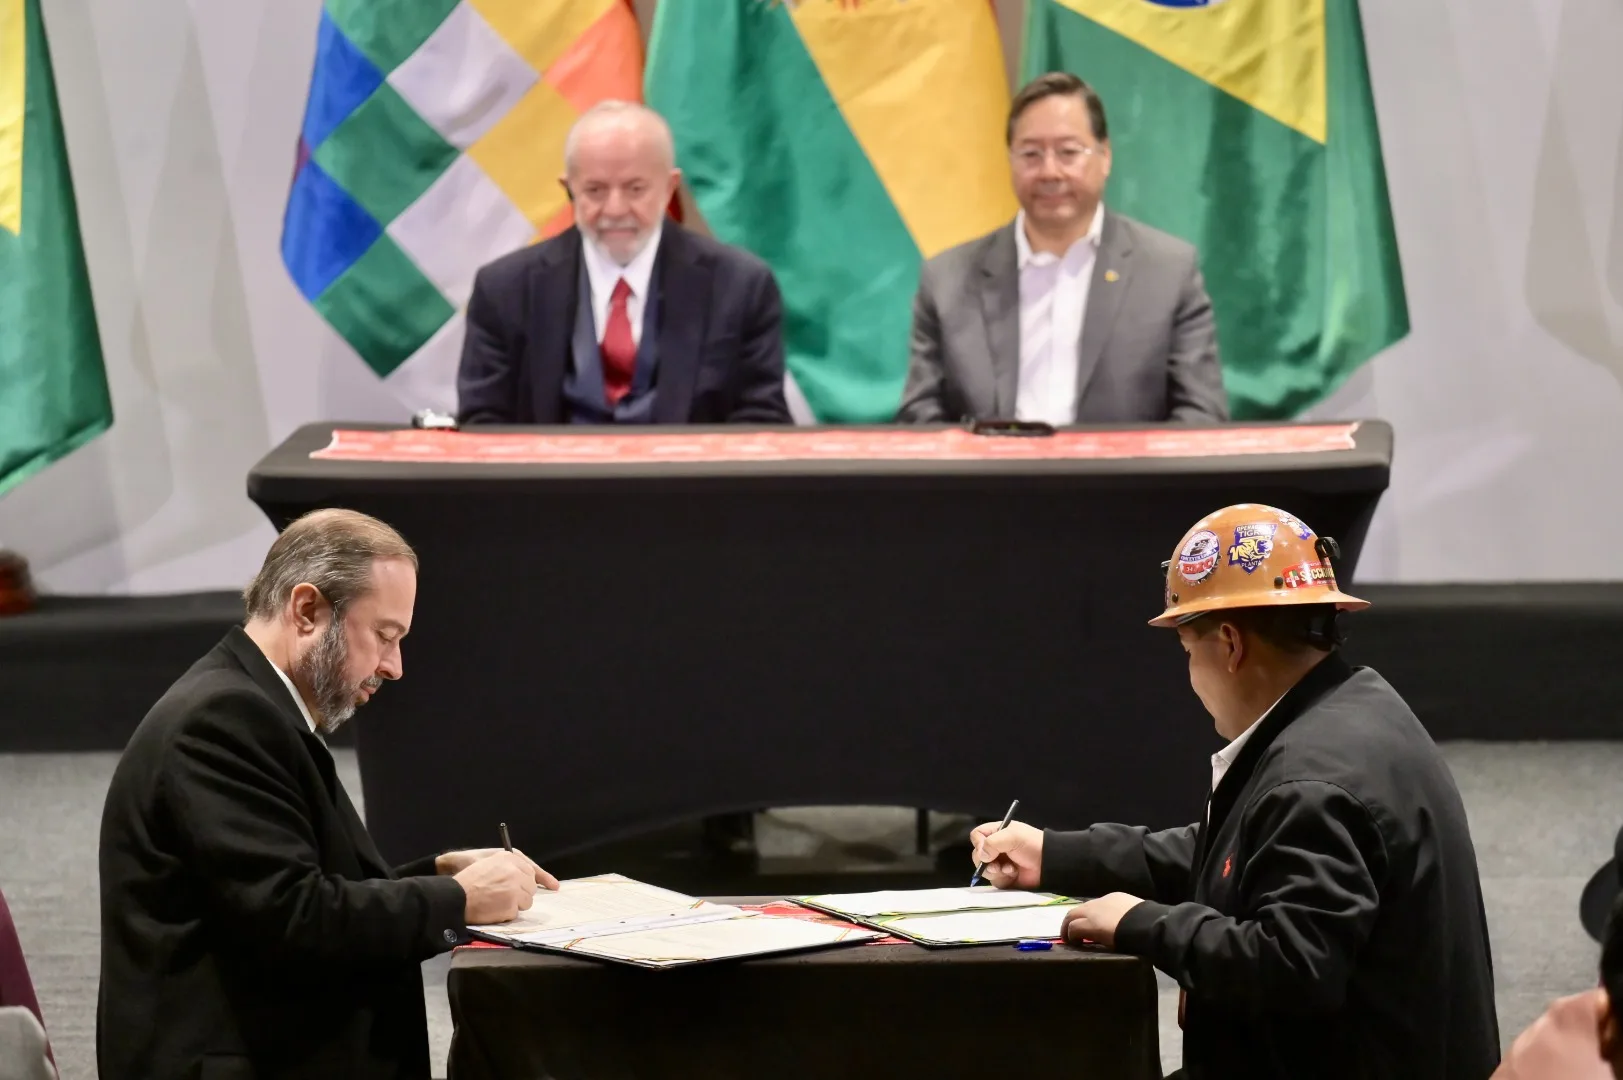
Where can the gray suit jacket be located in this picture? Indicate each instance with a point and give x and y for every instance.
(1149, 344)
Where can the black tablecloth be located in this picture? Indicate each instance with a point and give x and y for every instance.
(599, 650)
(880, 1011)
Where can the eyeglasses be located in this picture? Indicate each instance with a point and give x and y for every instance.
(1031, 158)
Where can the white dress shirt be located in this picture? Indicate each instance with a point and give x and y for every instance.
(603, 273)
(1225, 757)
(298, 700)
(1053, 302)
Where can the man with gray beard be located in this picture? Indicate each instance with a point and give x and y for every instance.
(249, 926)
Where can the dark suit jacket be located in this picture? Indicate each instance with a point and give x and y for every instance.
(249, 926)
(1329, 921)
(1149, 344)
(720, 343)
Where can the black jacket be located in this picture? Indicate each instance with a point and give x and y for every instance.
(249, 926)
(720, 338)
(1329, 921)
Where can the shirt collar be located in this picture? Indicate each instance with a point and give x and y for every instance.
(1024, 256)
(298, 699)
(602, 271)
(1232, 750)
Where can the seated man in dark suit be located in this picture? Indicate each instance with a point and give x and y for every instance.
(1071, 313)
(625, 318)
(249, 926)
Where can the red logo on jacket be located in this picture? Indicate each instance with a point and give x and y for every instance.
(1228, 864)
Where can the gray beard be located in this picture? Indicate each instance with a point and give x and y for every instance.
(322, 670)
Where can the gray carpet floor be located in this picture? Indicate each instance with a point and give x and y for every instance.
(1543, 817)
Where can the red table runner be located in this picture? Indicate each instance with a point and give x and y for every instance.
(790, 444)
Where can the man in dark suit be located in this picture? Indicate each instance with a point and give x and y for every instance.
(625, 318)
(1070, 313)
(249, 926)
(1324, 918)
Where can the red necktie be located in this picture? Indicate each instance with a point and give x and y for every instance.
(618, 350)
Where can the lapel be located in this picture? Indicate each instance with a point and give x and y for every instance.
(683, 277)
(1104, 298)
(1000, 309)
(583, 373)
(553, 293)
(1330, 673)
(366, 851)
(258, 668)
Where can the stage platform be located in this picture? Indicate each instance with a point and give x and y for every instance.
(1492, 662)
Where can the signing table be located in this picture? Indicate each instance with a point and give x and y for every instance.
(879, 1010)
(615, 632)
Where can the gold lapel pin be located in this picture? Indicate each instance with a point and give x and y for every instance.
(1111, 275)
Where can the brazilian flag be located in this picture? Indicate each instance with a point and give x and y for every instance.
(1247, 128)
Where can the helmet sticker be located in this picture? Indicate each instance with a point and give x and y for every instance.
(1198, 559)
(1253, 543)
(1302, 575)
(1295, 525)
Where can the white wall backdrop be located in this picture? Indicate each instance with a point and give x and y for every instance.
(1503, 128)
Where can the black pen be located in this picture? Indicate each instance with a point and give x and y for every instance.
(976, 876)
(507, 841)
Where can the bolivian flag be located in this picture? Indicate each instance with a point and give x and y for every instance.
(1247, 127)
(842, 141)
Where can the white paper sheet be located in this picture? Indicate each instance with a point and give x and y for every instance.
(929, 901)
(600, 904)
(566, 935)
(983, 927)
(617, 918)
(748, 935)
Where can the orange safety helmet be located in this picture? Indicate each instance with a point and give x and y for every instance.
(1250, 555)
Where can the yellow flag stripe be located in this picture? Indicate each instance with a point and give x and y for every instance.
(921, 85)
(524, 153)
(1268, 53)
(13, 99)
(541, 31)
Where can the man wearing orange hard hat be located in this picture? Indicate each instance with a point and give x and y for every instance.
(1325, 917)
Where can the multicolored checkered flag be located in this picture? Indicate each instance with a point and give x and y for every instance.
(432, 143)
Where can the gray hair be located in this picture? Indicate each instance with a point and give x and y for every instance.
(612, 109)
(330, 549)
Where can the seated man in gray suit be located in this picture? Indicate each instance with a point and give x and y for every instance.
(1069, 314)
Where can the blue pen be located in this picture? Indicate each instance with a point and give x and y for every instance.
(976, 876)
(1030, 945)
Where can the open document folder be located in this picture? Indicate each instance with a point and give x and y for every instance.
(612, 917)
(982, 915)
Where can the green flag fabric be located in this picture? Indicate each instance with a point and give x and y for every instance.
(53, 387)
(1247, 128)
(843, 144)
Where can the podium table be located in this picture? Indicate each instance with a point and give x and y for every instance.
(863, 1012)
(615, 632)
